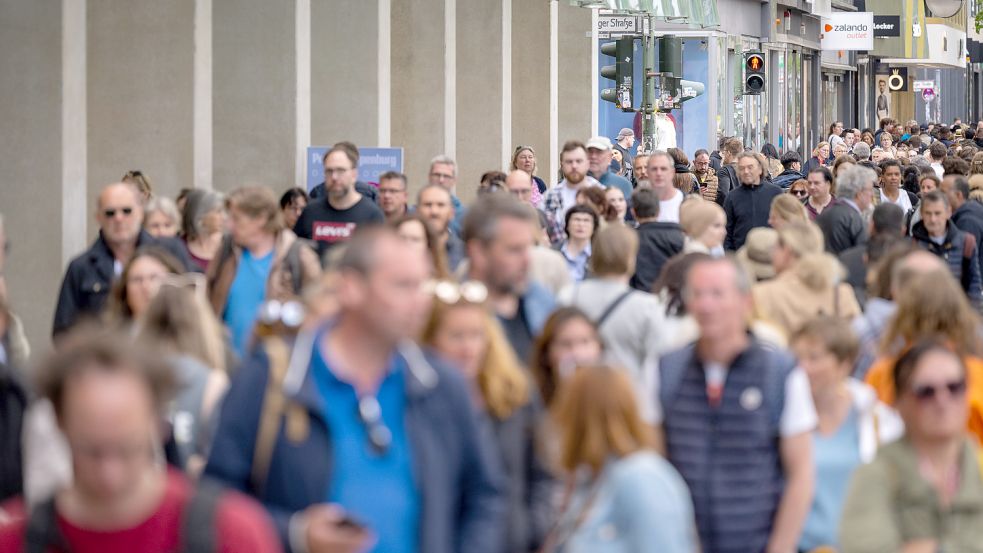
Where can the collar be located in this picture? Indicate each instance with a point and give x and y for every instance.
(299, 384)
(569, 256)
(852, 204)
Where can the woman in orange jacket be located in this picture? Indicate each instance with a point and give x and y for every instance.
(933, 304)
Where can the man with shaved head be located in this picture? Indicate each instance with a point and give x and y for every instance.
(90, 276)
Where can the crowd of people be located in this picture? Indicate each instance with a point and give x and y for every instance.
(728, 352)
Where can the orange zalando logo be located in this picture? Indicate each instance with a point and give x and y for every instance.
(827, 28)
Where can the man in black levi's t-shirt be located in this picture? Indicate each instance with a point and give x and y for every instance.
(333, 218)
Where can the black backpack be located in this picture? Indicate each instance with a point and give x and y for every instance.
(13, 405)
(197, 524)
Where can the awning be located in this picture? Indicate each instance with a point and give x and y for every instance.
(946, 48)
(702, 13)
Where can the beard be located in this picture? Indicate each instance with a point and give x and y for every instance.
(574, 177)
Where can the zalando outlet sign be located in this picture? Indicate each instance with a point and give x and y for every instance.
(848, 31)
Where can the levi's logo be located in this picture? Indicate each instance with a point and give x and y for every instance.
(326, 231)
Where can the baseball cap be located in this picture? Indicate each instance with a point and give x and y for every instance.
(599, 143)
(625, 132)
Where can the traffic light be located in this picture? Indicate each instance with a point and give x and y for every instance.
(754, 72)
(623, 51)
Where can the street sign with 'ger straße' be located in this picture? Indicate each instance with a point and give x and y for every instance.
(614, 26)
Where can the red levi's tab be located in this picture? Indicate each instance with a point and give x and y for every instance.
(326, 231)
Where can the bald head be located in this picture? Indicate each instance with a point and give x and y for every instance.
(519, 184)
(918, 262)
(119, 211)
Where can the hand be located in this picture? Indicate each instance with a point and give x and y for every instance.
(325, 534)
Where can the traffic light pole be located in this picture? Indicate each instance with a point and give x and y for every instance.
(649, 93)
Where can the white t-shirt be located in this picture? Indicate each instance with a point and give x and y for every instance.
(904, 202)
(798, 414)
(669, 209)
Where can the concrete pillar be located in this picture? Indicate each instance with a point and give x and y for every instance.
(575, 72)
(30, 154)
(254, 83)
(531, 81)
(140, 96)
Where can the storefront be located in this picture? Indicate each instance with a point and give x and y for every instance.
(795, 67)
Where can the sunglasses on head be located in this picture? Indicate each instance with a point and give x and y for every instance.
(111, 212)
(928, 392)
(450, 292)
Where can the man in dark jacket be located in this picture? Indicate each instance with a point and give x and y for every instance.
(843, 222)
(657, 242)
(967, 215)
(748, 206)
(90, 276)
(727, 178)
(792, 162)
(937, 234)
(381, 441)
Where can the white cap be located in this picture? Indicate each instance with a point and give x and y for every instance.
(599, 143)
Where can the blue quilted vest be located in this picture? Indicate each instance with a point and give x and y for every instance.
(728, 454)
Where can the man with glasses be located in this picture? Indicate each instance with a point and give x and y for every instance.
(443, 171)
(362, 188)
(381, 447)
(90, 276)
(392, 195)
(333, 219)
(520, 185)
(707, 178)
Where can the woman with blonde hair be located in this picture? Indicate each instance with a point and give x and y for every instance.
(524, 159)
(784, 210)
(820, 158)
(622, 496)
(976, 165)
(462, 329)
(705, 226)
(933, 304)
(180, 323)
(976, 188)
(141, 181)
(809, 282)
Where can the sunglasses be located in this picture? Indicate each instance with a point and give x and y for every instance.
(800, 193)
(370, 414)
(450, 292)
(927, 392)
(110, 213)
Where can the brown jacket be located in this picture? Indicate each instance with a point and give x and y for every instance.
(788, 301)
(280, 284)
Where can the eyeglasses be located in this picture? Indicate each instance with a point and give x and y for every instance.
(800, 193)
(370, 414)
(450, 293)
(336, 171)
(928, 392)
(111, 212)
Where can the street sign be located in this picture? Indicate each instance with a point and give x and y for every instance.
(923, 85)
(928, 94)
(614, 26)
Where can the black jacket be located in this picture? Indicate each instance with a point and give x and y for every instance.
(969, 218)
(855, 261)
(843, 227)
(657, 242)
(362, 188)
(90, 276)
(787, 177)
(959, 251)
(747, 207)
(727, 179)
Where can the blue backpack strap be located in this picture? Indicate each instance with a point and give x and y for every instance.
(672, 369)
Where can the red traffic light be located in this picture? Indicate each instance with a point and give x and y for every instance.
(755, 62)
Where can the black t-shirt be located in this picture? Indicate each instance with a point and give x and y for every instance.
(518, 333)
(327, 226)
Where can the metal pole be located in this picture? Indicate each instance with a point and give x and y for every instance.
(648, 91)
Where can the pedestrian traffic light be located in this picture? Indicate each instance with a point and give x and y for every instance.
(623, 51)
(754, 72)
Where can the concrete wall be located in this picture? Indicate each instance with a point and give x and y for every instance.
(30, 154)
(133, 100)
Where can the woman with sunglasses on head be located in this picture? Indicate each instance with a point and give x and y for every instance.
(621, 495)
(933, 304)
(569, 338)
(463, 331)
(923, 493)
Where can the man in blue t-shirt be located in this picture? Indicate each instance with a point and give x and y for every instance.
(599, 155)
(382, 450)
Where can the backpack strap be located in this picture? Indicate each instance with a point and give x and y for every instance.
(609, 310)
(293, 264)
(271, 414)
(42, 534)
(198, 529)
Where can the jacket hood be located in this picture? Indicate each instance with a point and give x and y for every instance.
(919, 232)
